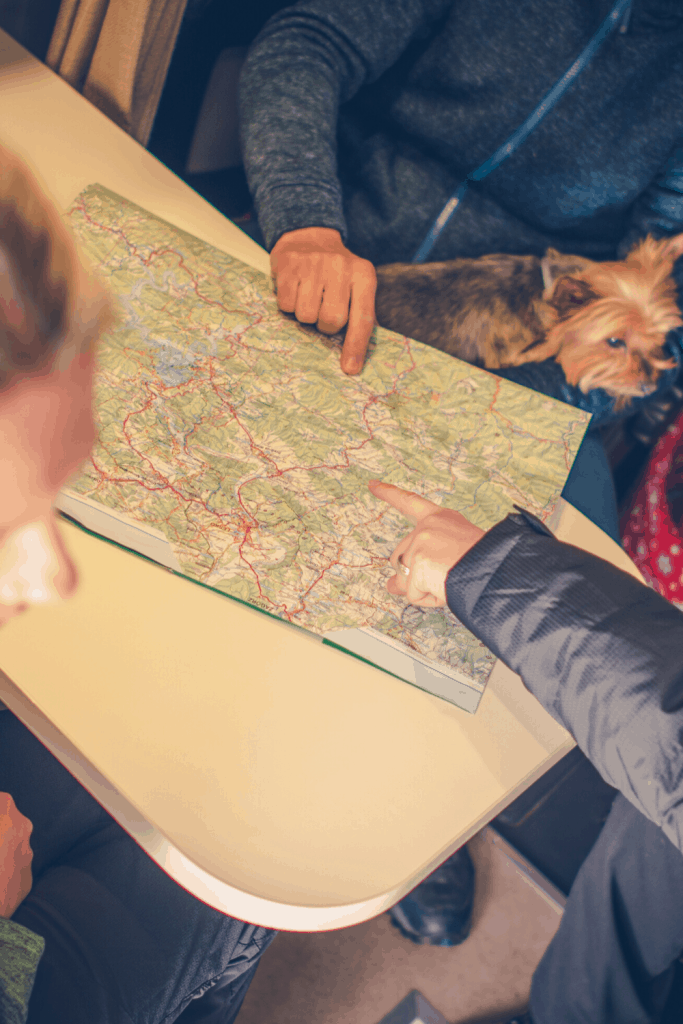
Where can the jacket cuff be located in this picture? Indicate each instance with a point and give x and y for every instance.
(469, 578)
(285, 208)
(550, 610)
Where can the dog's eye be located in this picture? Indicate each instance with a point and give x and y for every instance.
(616, 342)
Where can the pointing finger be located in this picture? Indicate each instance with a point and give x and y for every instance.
(407, 503)
(361, 318)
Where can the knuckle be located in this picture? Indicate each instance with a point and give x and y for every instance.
(330, 326)
(307, 313)
(367, 269)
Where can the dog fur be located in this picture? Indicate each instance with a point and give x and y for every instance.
(604, 323)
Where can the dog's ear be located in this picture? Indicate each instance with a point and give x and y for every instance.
(673, 247)
(569, 294)
(556, 265)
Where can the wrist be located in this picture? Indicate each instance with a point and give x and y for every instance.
(314, 235)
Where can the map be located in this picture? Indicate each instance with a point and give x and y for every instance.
(230, 429)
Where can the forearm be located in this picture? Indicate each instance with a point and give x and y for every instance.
(600, 651)
(306, 61)
(288, 118)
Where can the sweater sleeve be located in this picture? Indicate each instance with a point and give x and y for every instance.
(600, 651)
(308, 60)
(659, 211)
(20, 952)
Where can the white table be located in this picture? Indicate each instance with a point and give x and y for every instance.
(282, 782)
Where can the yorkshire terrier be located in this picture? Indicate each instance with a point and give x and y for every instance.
(604, 323)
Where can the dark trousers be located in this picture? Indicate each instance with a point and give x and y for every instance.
(124, 944)
(612, 959)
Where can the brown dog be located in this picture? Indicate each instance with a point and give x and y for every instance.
(604, 323)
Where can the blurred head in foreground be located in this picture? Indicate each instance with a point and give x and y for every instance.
(51, 312)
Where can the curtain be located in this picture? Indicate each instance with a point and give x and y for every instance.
(30, 22)
(117, 52)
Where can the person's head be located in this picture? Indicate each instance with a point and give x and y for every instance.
(51, 312)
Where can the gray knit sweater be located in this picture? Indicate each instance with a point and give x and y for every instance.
(364, 115)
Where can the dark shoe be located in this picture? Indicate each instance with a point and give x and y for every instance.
(439, 911)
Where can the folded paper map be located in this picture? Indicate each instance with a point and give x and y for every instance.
(232, 448)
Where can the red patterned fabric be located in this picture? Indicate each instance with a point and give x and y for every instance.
(651, 530)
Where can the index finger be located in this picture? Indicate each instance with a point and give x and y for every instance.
(361, 322)
(409, 504)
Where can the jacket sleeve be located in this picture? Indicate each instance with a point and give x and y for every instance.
(20, 952)
(601, 652)
(308, 60)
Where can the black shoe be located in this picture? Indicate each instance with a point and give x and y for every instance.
(439, 911)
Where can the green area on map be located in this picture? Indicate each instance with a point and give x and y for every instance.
(231, 429)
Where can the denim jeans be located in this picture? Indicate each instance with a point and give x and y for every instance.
(124, 944)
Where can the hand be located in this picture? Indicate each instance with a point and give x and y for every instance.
(440, 539)
(321, 282)
(15, 856)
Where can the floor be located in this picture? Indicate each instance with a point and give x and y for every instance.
(357, 975)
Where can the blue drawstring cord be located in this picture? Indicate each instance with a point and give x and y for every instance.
(618, 17)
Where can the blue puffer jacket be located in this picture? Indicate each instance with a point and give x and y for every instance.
(602, 653)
